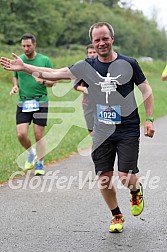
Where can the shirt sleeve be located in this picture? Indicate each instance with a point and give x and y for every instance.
(78, 69)
(138, 74)
(82, 70)
(48, 63)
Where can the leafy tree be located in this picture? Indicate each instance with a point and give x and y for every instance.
(19, 17)
(62, 23)
(76, 29)
(108, 3)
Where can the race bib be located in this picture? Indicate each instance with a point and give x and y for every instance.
(109, 114)
(30, 106)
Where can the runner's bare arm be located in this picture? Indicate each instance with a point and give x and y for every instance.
(148, 100)
(46, 73)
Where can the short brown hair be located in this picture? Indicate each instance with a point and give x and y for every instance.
(100, 24)
(89, 46)
(28, 36)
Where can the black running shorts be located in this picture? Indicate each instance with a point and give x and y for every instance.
(127, 151)
(37, 117)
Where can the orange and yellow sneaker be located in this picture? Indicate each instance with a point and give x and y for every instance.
(137, 202)
(116, 224)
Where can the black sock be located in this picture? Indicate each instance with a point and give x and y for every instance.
(116, 211)
(135, 192)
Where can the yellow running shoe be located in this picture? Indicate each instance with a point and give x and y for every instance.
(116, 224)
(137, 202)
(29, 164)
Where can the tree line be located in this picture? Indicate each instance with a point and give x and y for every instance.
(58, 23)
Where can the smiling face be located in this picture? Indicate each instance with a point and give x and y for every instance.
(102, 41)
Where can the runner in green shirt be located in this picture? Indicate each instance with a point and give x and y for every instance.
(32, 105)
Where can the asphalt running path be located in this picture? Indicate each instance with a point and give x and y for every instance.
(64, 211)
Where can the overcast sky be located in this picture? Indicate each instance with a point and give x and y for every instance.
(150, 7)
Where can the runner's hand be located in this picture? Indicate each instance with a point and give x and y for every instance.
(12, 65)
(14, 90)
(148, 129)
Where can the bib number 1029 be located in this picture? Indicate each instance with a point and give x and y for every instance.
(108, 114)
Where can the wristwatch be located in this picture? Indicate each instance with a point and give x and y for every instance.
(151, 119)
(43, 82)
